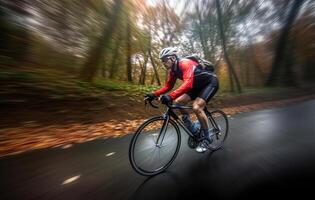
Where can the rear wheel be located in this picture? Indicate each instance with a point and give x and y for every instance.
(220, 128)
(152, 150)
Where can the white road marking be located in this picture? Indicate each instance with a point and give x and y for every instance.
(69, 180)
(110, 154)
(66, 146)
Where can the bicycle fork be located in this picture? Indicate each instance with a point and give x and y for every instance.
(162, 133)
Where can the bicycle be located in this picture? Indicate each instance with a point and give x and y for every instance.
(162, 133)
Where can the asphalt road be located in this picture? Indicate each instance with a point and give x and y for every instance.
(269, 153)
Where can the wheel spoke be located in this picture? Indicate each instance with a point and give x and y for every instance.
(220, 135)
(147, 158)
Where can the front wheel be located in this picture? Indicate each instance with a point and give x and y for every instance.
(154, 148)
(220, 128)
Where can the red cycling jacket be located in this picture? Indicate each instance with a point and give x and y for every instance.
(184, 71)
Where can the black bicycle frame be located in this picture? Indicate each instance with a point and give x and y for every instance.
(170, 113)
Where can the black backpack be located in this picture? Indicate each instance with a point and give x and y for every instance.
(202, 63)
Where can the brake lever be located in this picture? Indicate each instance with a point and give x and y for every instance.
(146, 100)
(154, 106)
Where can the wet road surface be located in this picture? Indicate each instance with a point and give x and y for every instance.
(269, 153)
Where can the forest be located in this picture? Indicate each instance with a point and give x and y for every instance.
(261, 43)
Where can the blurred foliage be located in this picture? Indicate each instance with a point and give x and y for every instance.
(104, 44)
(123, 86)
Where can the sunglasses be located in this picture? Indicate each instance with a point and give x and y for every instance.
(164, 60)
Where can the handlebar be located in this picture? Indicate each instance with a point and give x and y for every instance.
(146, 100)
(172, 106)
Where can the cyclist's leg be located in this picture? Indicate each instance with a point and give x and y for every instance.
(183, 100)
(199, 104)
(198, 108)
(203, 97)
(210, 90)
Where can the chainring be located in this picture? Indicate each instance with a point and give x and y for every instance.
(192, 142)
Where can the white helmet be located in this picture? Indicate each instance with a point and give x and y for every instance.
(168, 51)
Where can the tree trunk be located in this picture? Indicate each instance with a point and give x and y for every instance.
(152, 79)
(252, 52)
(96, 53)
(232, 89)
(154, 68)
(128, 61)
(223, 39)
(201, 35)
(143, 71)
(113, 67)
(281, 46)
(289, 78)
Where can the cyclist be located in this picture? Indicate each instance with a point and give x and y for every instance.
(198, 85)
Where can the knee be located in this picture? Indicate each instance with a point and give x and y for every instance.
(197, 108)
(179, 101)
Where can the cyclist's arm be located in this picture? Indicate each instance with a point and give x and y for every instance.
(187, 68)
(168, 85)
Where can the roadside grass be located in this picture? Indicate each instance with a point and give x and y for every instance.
(58, 86)
(54, 85)
(131, 89)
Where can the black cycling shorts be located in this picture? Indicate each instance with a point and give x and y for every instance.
(204, 87)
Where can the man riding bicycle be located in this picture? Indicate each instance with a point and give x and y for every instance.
(198, 85)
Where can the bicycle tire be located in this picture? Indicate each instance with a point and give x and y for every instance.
(141, 130)
(219, 137)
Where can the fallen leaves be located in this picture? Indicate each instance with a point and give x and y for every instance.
(30, 135)
(16, 140)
